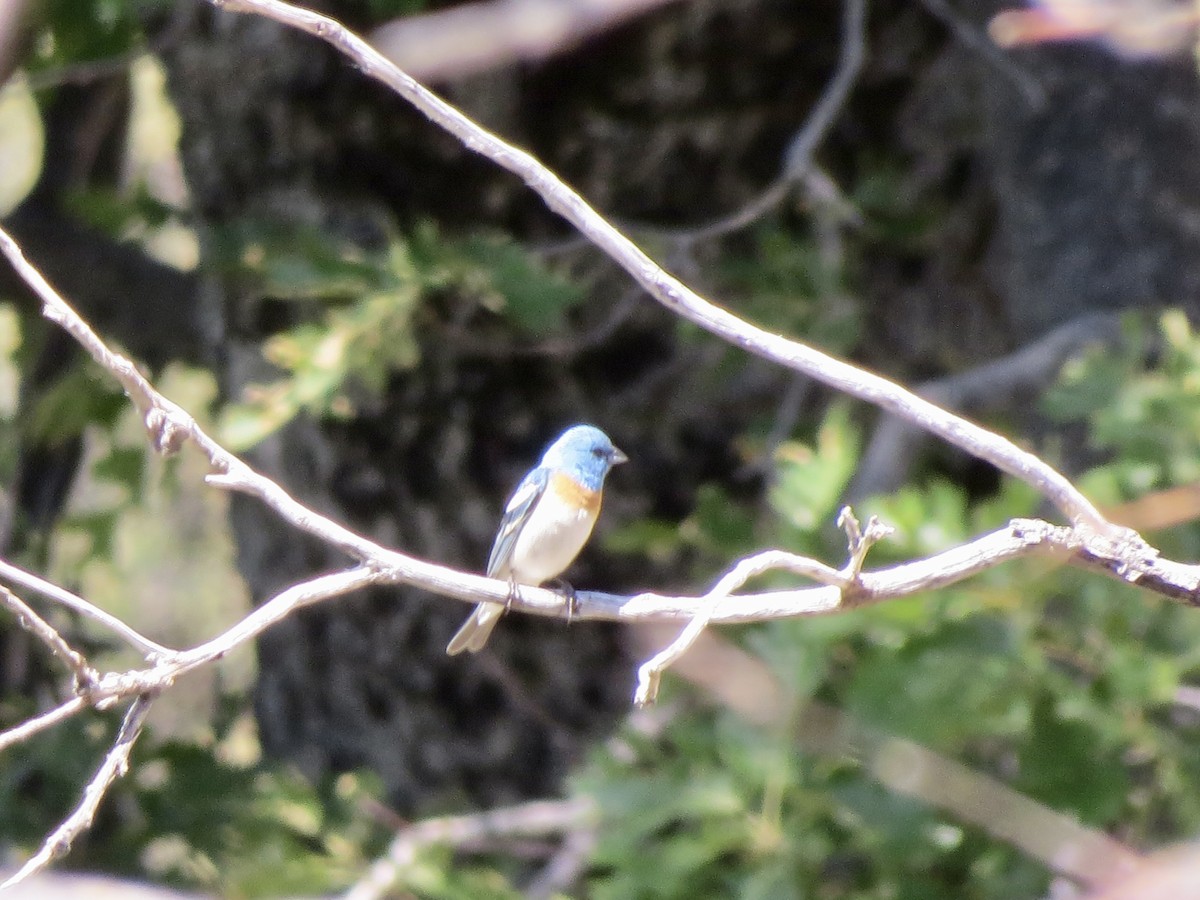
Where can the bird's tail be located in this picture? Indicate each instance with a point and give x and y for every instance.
(477, 629)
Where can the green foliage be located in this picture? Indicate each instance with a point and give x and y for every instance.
(1150, 419)
(809, 481)
(189, 816)
(883, 197)
(82, 397)
(10, 340)
(1059, 682)
(371, 302)
(119, 213)
(74, 31)
(785, 282)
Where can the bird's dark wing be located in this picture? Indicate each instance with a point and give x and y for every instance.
(516, 514)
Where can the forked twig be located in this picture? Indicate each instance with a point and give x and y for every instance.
(115, 765)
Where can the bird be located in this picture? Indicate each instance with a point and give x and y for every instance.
(546, 522)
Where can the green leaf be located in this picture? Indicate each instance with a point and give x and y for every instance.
(810, 481)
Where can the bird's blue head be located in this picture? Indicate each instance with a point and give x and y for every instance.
(586, 453)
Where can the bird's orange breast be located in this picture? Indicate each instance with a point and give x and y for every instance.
(571, 493)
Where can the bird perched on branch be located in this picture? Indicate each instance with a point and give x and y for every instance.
(547, 521)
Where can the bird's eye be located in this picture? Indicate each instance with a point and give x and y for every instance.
(598, 452)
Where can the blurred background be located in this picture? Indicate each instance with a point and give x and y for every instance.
(997, 205)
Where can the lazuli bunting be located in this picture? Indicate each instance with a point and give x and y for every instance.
(547, 521)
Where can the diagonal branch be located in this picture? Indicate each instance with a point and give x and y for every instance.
(798, 155)
(115, 765)
(85, 676)
(60, 595)
(674, 294)
(538, 817)
(27, 729)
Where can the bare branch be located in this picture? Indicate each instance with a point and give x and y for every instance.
(49, 719)
(798, 155)
(974, 38)
(650, 672)
(996, 385)
(1091, 541)
(144, 645)
(859, 542)
(566, 866)
(85, 676)
(539, 817)
(115, 765)
(273, 611)
(675, 295)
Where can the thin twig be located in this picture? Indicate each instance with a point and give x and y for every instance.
(995, 385)
(275, 610)
(650, 673)
(858, 541)
(17, 575)
(798, 155)
(48, 719)
(1092, 542)
(675, 295)
(539, 817)
(85, 675)
(115, 765)
(566, 866)
(977, 40)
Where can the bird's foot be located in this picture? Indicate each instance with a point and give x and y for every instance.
(568, 592)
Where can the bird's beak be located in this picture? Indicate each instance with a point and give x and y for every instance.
(618, 457)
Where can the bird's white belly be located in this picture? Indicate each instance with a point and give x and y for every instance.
(550, 540)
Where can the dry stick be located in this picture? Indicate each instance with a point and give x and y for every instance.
(48, 719)
(538, 817)
(977, 40)
(996, 384)
(798, 156)
(1093, 541)
(169, 426)
(650, 672)
(115, 765)
(1122, 556)
(273, 611)
(566, 866)
(1120, 553)
(843, 580)
(85, 675)
(675, 295)
(476, 37)
(144, 645)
